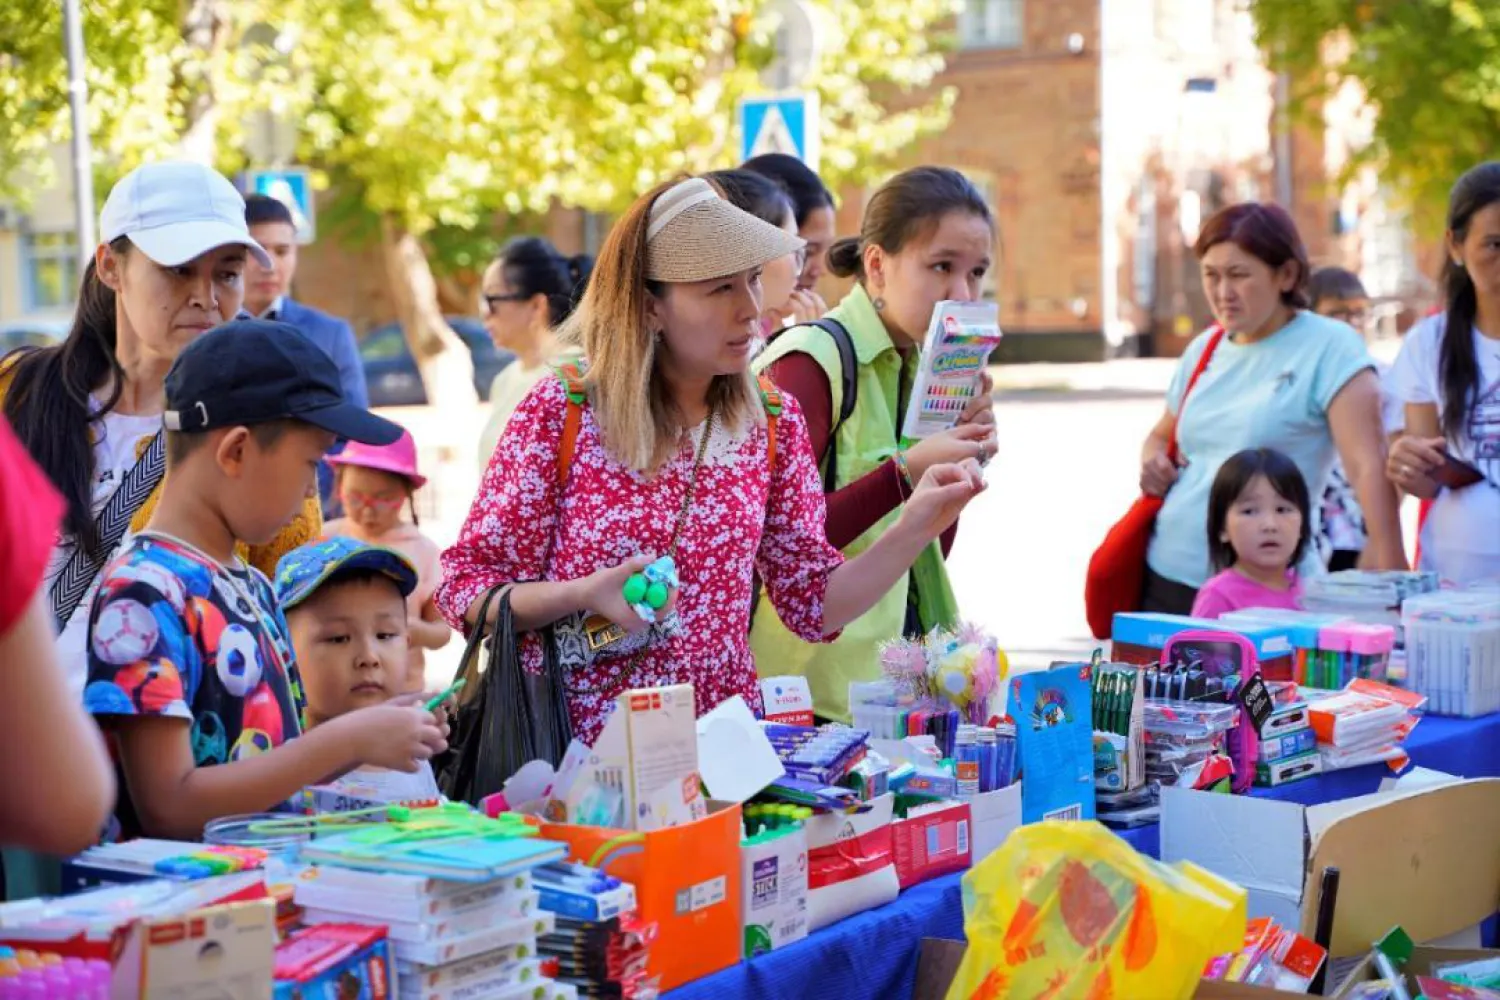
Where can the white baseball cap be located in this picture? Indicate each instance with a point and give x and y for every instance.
(177, 211)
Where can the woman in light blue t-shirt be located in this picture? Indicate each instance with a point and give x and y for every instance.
(1282, 377)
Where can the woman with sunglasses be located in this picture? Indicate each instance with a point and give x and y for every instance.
(527, 292)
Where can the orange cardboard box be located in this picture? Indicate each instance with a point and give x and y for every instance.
(687, 880)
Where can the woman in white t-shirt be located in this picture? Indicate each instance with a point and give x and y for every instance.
(527, 291)
(1448, 375)
(169, 266)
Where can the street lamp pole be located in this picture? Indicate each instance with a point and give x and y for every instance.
(78, 100)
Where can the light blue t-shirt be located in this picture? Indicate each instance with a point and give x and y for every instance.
(1270, 394)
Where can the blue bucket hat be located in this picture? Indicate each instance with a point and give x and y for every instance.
(303, 570)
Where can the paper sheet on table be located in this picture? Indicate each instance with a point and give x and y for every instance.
(735, 759)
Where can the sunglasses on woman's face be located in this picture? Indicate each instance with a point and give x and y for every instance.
(491, 302)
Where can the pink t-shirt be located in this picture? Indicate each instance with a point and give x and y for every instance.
(1231, 591)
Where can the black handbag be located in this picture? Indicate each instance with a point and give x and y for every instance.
(506, 717)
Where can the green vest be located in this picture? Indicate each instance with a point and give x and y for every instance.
(865, 441)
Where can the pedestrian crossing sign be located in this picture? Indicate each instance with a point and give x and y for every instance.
(292, 186)
(787, 123)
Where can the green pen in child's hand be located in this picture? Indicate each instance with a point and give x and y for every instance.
(453, 689)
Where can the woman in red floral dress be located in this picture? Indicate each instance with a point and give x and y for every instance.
(673, 443)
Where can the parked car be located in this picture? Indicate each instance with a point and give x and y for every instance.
(33, 332)
(391, 371)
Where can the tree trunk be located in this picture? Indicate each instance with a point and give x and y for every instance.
(205, 30)
(446, 367)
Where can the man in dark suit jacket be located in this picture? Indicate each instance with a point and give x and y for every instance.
(267, 296)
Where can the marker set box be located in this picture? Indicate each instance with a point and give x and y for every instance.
(1453, 651)
(955, 352)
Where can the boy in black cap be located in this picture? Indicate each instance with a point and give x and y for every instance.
(190, 661)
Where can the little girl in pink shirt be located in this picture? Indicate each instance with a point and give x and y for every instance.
(1258, 528)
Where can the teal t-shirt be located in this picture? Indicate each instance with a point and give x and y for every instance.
(1271, 394)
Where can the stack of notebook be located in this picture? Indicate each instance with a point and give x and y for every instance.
(462, 915)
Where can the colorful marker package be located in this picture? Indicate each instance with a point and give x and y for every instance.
(954, 355)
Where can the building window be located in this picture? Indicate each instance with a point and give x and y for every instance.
(991, 24)
(49, 262)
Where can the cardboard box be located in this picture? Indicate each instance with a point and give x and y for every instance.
(1424, 959)
(1424, 858)
(222, 952)
(687, 879)
(851, 866)
(994, 815)
(1287, 744)
(773, 892)
(932, 841)
(1270, 773)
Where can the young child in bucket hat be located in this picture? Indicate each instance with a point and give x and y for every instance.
(375, 483)
(345, 604)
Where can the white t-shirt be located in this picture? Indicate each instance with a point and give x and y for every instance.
(118, 440)
(1461, 537)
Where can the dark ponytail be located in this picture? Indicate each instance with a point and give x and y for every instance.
(1458, 367)
(907, 206)
(533, 266)
(50, 404)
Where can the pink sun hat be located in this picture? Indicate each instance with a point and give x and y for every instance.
(398, 457)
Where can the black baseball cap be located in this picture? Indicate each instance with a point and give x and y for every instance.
(254, 371)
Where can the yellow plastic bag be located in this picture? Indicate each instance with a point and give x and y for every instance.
(1069, 910)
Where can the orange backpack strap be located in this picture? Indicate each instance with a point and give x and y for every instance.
(571, 374)
(770, 398)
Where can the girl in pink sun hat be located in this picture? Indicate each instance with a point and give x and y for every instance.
(376, 484)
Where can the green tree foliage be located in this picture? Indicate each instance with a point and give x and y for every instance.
(1430, 69)
(435, 115)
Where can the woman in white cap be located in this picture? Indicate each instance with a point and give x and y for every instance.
(667, 444)
(169, 266)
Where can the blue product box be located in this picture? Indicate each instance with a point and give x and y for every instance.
(1054, 715)
(1155, 631)
(1275, 748)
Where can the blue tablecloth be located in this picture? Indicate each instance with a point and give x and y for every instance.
(874, 954)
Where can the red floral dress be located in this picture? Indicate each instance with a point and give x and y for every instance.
(745, 517)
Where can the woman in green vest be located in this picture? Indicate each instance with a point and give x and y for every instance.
(927, 236)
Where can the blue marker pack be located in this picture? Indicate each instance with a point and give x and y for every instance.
(1291, 744)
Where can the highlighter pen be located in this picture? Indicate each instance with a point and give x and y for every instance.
(453, 689)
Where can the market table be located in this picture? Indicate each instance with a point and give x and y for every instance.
(874, 954)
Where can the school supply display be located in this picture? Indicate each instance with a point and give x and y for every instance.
(334, 961)
(580, 892)
(955, 351)
(1453, 651)
(642, 772)
(930, 839)
(960, 671)
(1365, 723)
(1184, 746)
(824, 754)
(1374, 598)
(1116, 577)
(1140, 638)
(1273, 956)
(1119, 739)
(506, 716)
(1219, 667)
(1053, 713)
(851, 863)
(26, 973)
(773, 884)
(135, 860)
(607, 958)
(447, 938)
(1070, 909)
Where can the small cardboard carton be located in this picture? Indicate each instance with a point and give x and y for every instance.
(773, 891)
(933, 840)
(687, 880)
(1424, 858)
(1425, 961)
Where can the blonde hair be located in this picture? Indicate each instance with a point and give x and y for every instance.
(610, 326)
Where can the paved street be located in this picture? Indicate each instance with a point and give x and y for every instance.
(1069, 440)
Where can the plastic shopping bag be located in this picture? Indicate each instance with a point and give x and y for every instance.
(1069, 910)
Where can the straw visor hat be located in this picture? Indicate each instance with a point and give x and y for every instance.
(694, 235)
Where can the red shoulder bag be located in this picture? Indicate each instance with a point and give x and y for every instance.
(1117, 571)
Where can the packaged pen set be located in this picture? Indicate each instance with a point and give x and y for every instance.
(1453, 651)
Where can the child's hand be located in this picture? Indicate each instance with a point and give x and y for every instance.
(396, 736)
